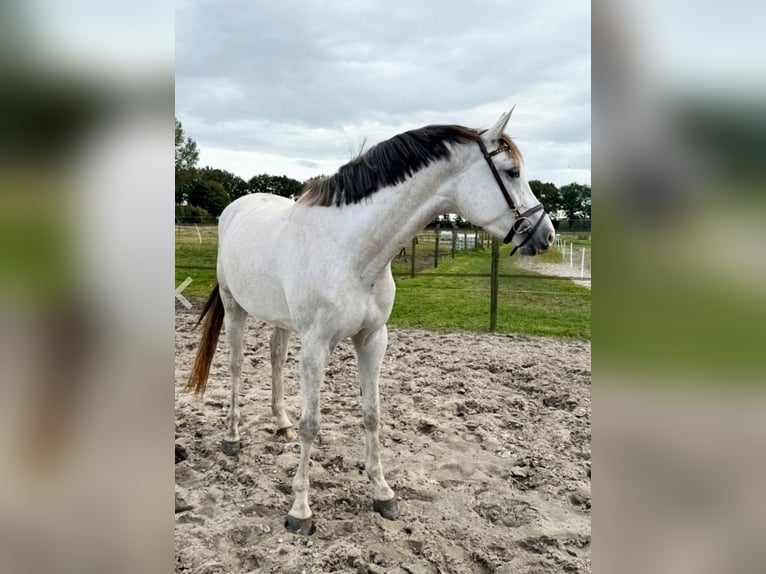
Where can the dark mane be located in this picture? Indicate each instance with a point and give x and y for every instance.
(388, 163)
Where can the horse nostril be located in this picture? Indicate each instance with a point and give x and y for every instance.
(551, 237)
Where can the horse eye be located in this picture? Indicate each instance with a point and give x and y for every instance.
(514, 172)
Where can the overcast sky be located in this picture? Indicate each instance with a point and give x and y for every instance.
(296, 87)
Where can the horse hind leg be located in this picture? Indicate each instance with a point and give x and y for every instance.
(278, 357)
(234, 323)
(370, 349)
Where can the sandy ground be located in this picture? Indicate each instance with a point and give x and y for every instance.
(486, 441)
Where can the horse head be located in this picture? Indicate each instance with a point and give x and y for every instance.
(492, 191)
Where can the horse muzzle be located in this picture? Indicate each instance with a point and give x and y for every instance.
(537, 237)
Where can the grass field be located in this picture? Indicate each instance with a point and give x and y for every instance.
(195, 258)
(527, 304)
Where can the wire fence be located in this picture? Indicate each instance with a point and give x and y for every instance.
(434, 246)
(431, 249)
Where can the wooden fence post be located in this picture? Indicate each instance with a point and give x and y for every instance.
(493, 286)
(412, 256)
(454, 240)
(436, 246)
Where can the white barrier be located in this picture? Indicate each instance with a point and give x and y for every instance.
(465, 242)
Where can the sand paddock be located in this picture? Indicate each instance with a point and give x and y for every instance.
(486, 441)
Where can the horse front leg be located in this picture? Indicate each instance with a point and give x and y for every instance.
(314, 354)
(278, 357)
(370, 349)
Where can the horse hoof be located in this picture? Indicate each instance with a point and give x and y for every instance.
(288, 433)
(230, 447)
(303, 526)
(388, 509)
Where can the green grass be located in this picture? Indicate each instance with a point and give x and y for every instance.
(579, 238)
(526, 304)
(196, 260)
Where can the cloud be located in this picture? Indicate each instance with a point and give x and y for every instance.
(310, 81)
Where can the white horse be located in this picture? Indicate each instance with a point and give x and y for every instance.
(320, 266)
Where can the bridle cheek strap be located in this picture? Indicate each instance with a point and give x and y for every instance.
(521, 224)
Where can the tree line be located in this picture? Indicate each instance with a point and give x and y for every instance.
(569, 203)
(203, 193)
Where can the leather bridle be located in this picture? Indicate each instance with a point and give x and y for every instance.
(522, 224)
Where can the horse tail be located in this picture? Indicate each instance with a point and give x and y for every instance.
(212, 314)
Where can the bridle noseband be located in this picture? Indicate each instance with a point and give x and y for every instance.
(521, 224)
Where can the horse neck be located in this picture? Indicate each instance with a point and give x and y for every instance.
(393, 216)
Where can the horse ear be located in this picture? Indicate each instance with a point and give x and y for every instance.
(496, 131)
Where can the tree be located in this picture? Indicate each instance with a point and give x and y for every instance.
(442, 220)
(210, 196)
(286, 186)
(234, 185)
(549, 195)
(586, 201)
(278, 185)
(575, 201)
(187, 156)
(192, 214)
(260, 183)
